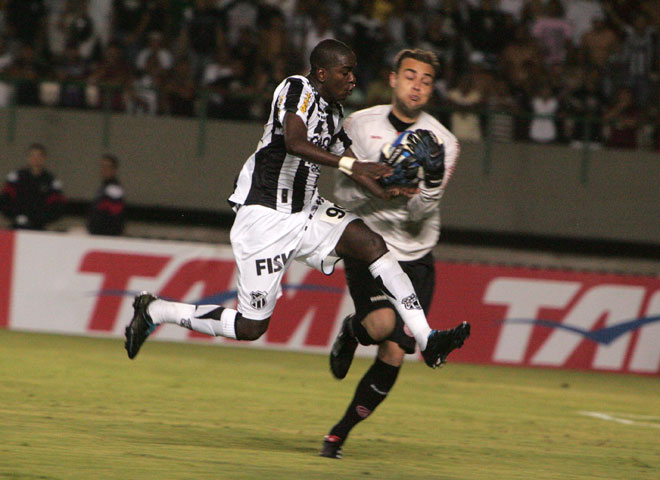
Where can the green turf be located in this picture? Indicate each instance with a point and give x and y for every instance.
(77, 408)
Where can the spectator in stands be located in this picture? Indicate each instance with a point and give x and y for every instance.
(106, 214)
(204, 33)
(320, 29)
(157, 17)
(621, 120)
(240, 15)
(368, 39)
(584, 105)
(179, 89)
(147, 85)
(440, 37)
(640, 58)
(582, 14)
(521, 60)
(32, 196)
(78, 27)
(554, 33)
(488, 30)
(129, 21)
(156, 48)
(543, 127)
(598, 44)
(502, 108)
(26, 71)
(246, 50)
(267, 76)
(217, 77)
(112, 79)
(26, 21)
(465, 100)
(71, 71)
(275, 42)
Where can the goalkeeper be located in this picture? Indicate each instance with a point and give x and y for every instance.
(405, 210)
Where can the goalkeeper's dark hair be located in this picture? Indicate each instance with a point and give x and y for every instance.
(326, 53)
(424, 56)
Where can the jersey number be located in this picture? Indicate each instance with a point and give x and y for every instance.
(333, 214)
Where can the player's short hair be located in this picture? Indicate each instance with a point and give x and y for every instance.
(112, 159)
(39, 147)
(327, 53)
(424, 56)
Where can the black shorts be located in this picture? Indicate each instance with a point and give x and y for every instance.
(367, 295)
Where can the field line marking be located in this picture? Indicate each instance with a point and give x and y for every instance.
(624, 421)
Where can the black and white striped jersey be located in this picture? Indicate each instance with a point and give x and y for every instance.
(273, 178)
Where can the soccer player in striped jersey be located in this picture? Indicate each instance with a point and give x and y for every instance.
(280, 216)
(410, 226)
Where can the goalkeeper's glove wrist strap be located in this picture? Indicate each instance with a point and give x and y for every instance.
(346, 165)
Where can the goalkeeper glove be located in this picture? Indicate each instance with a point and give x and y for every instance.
(430, 153)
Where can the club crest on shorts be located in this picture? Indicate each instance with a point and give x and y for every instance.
(258, 300)
(411, 302)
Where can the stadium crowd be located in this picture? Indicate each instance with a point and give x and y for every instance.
(582, 72)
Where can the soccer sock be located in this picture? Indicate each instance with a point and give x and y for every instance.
(400, 292)
(209, 319)
(370, 392)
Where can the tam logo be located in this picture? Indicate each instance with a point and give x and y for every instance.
(622, 323)
(305, 314)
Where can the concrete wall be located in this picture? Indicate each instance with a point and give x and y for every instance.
(516, 188)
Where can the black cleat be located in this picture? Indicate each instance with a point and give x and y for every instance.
(343, 349)
(442, 342)
(141, 324)
(331, 447)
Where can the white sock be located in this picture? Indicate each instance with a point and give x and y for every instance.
(188, 316)
(400, 292)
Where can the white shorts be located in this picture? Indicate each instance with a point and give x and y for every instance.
(266, 241)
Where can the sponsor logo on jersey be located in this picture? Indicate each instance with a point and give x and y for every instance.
(305, 104)
(258, 300)
(272, 265)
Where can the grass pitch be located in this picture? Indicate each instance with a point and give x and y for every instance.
(77, 408)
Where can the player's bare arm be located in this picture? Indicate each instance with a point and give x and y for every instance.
(380, 191)
(295, 138)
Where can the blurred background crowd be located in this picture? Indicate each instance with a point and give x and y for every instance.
(579, 72)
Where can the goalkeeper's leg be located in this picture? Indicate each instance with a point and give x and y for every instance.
(370, 392)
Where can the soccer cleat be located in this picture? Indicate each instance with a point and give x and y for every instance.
(331, 447)
(141, 324)
(343, 349)
(442, 342)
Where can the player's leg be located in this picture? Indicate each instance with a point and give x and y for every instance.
(261, 260)
(382, 326)
(214, 320)
(359, 242)
(372, 389)
(372, 321)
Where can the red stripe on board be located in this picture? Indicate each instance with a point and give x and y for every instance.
(6, 268)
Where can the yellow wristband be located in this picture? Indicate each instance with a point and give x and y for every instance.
(346, 165)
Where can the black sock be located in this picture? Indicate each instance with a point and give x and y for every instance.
(370, 392)
(360, 332)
